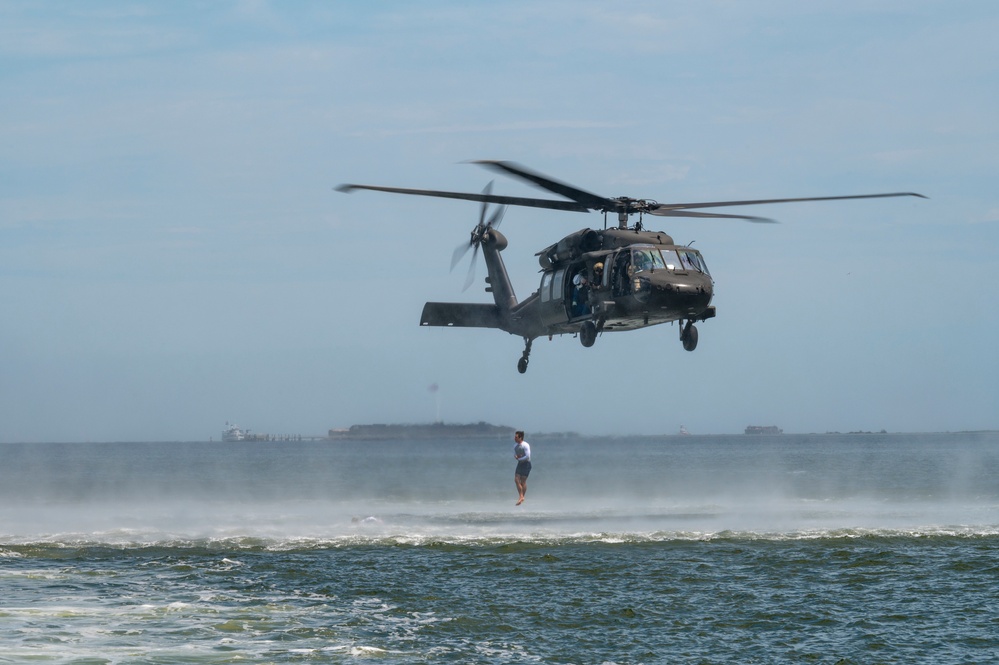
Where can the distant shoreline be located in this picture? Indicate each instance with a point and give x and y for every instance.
(438, 432)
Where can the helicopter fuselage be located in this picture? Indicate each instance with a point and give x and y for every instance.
(591, 282)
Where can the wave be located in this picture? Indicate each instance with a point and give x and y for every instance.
(119, 541)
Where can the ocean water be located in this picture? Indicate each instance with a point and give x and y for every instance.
(700, 549)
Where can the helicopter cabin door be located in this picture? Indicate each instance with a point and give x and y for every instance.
(552, 297)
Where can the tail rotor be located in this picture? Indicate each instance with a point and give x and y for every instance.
(479, 233)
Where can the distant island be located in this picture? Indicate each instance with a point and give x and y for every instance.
(764, 429)
(483, 431)
(480, 430)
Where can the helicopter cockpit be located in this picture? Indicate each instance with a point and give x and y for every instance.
(639, 258)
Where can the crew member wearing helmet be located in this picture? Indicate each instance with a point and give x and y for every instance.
(580, 293)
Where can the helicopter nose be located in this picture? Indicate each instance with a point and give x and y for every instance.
(690, 295)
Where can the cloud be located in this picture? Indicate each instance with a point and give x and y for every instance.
(990, 217)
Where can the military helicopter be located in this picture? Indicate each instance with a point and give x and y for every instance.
(592, 281)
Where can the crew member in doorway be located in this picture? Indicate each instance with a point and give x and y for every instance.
(580, 293)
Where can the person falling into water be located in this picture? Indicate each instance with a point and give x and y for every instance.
(522, 453)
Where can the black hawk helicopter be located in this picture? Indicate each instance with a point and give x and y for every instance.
(592, 281)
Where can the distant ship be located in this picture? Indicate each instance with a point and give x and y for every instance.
(683, 431)
(764, 429)
(233, 433)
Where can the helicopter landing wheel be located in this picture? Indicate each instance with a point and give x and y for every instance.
(522, 363)
(689, 336)
(588, 333)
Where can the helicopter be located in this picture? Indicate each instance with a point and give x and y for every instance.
(593, 280)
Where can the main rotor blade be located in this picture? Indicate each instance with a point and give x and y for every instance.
(484, 198)
(711, 215)
(583, 197)
(721, 204)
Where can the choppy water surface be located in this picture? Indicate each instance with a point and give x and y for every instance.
(852, 549)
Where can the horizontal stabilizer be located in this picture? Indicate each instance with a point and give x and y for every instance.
(460, 315)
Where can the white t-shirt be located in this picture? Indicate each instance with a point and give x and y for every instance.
(522, 451)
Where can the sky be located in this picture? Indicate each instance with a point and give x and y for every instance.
(173, 254)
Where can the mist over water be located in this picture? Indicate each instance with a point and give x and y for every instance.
(787, 549)
(686, 487)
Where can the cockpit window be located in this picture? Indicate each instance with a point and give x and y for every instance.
(647, 259)
(692, 260)
(670, 259)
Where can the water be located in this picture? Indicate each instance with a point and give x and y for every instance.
(786, 549)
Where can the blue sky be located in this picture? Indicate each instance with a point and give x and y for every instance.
(173, 255)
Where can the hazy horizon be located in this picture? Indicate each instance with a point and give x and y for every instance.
(286, 438)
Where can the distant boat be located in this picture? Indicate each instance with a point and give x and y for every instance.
(233, 433)
(683, 431)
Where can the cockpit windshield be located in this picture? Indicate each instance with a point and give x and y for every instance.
(656, 258)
